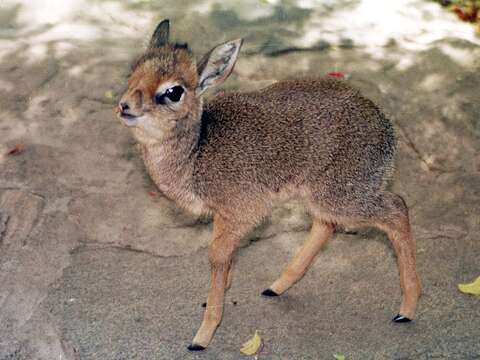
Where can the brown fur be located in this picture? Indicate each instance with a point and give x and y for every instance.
(316, 139)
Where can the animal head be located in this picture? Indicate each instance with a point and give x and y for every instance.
(166, 84)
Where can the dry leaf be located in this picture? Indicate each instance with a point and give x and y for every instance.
(251, 346)
(109, 94)
(17, 150)
(472, 288)
(336, 74)
(466, 13)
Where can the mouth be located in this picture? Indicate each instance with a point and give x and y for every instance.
(127, 118)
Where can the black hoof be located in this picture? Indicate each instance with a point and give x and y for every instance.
(401, 319)
(269, 293)
(195, 347)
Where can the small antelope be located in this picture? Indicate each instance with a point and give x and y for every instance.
(236, 156)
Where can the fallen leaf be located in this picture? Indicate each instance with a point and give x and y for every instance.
(17, 150)
(109, 94)
(460, 13)
(337, 74)
(251, 346)
(153, 194)
(466, 13)
(339, 356)
(472, 288)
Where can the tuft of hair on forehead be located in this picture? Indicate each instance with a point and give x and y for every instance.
(171, 60)
(165, 52)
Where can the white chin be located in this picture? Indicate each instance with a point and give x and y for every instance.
(130, 122)
(143, 136)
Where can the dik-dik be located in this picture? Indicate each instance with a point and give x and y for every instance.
(234, 157)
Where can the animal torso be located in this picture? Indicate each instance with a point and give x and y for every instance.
(320, 135)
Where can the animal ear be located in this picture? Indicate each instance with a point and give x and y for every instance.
(160, 35)
(217, 64)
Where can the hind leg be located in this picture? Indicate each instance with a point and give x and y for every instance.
(394, 221)
(319, 234)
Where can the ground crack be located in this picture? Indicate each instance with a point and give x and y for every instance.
(53, 69)
(409, 142)
(92, 246)
(4, 218)
(18, 188)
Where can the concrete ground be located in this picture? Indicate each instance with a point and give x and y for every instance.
(96, 264)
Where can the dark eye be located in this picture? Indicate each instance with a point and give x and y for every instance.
(173, 94)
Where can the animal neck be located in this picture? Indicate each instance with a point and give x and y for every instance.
(170, 163)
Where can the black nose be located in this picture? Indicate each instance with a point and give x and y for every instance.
(124, 106)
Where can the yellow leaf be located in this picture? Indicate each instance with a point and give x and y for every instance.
(472, 288)
(251, 346)
(339, 356)
(109, 94)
